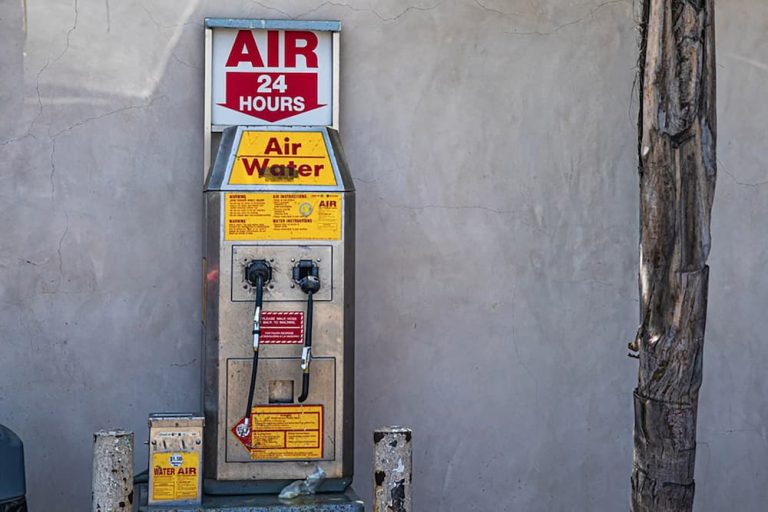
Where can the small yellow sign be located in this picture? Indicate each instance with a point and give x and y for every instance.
(282, 158)
(283, 432)
(175, 476)
(265, 216)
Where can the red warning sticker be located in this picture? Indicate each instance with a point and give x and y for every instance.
(282, 327)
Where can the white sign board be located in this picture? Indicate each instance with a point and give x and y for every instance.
(271, 75)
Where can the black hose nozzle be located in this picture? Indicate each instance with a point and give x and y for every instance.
(306, 274)
(258, 273)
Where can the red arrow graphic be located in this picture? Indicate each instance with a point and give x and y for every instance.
(271, 97)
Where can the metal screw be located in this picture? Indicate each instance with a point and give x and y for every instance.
(197, 441)
(293, 286)
(318, 260)
(293, 259)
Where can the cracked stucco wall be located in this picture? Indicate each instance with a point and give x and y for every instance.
(493, 144)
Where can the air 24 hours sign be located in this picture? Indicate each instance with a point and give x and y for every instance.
(264, 77)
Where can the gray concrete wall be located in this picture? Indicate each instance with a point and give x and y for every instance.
(493, 145)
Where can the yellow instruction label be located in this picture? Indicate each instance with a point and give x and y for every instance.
(287, 432)
(282, 158)
(266, 216)
(175, 476)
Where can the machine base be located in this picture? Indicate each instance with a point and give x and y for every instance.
(330, 502)
(230, 487)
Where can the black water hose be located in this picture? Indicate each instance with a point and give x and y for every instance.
(254, 371)
(256, 334)
(306, 356)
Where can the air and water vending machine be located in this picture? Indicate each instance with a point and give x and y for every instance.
(278, 260)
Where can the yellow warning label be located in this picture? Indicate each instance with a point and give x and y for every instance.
(282, 158)
(175, 476)
(287, 432)
(264, 216)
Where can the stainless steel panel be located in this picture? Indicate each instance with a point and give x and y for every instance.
(322, 392)
(228, 322)
(282, 259)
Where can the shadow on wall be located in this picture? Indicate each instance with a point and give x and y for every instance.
(102, 205)
(100, 261)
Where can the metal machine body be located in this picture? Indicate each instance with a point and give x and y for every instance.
(281, 227)
(175, 459)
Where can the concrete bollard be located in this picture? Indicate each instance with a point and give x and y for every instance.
(393, 476)
(112, 471)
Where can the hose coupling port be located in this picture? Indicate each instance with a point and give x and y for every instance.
(258, 271)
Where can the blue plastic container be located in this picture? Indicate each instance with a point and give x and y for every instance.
(13, 486)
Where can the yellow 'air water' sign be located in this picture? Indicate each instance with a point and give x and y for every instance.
(282, 158)
(175, 476)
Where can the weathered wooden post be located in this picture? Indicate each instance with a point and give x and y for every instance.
(112, 471)
(392, 463)
(676, 145)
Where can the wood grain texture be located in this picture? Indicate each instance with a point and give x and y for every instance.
(677, 152)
